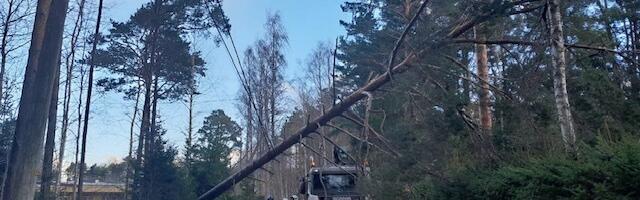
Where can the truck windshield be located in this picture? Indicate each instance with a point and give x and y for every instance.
(333, 184)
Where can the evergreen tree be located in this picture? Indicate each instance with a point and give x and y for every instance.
(213, 150)
(6, 137)
(161, 174)
(150, 50)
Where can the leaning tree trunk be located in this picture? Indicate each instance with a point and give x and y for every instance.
(27, 149)
(50, 144)
(560, 77)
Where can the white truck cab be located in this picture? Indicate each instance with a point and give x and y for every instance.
(331, 183)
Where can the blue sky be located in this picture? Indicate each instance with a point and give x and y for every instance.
(306, 21)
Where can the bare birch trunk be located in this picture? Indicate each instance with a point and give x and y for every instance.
(560, 77)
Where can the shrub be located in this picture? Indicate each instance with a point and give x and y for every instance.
(606, 171)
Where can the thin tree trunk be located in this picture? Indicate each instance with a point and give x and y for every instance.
(190, 130)
(70, 62)
(146, 124)
(144, 131)
(87, 108)
(3, 47)
(560, 78)
(250, 129)
(154, 111)
(77, 167)
(131, 135)
(27, 148)
(49, 145)
(65, 127)
(309, 128)
(152, 140)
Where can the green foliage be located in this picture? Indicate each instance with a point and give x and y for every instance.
(607, 171)
(211, 152)
(421, 112)
(161, 180)
(153, 41)
(6, 138)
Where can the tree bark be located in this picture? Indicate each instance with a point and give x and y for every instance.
(154, 111)
(144, 130)
(189, 141)
(49, 145)
(87, 108)
(131, 135)
(559, 63)
(482, 62)
(27, 149)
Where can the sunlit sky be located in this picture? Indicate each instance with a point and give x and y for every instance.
(307, 22)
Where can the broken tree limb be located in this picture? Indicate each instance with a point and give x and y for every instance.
(399, 42)
(500, 7)
(362, 140)
(349, 115)
(335, 111)
(325, 158)
(336, 145)
(530, 43)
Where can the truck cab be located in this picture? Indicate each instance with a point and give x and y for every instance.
(331, 183)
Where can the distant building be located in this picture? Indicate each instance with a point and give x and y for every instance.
(93, 191)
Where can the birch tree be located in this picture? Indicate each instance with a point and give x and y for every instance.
(559, 63)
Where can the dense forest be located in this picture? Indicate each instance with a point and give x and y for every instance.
(426, 99)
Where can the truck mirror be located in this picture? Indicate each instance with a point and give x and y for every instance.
(303, 186)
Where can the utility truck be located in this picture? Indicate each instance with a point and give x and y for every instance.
(337, 182)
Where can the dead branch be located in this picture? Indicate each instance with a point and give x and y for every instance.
(399, 42)
(327, 159)
(468, 24)
(493, 87)
(360, 122)
(336, 145)
(360, 139)
(530, 43)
